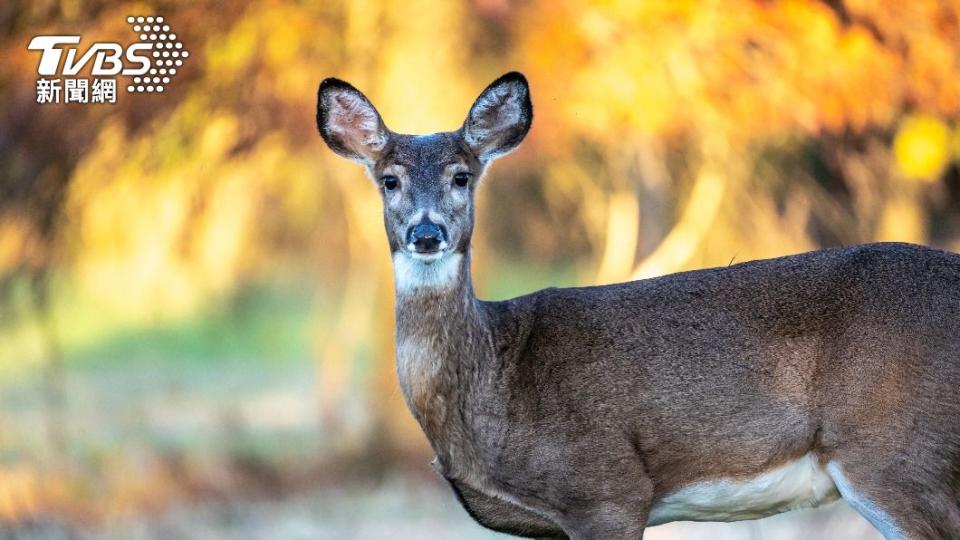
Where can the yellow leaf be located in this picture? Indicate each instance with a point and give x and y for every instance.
(922, 148)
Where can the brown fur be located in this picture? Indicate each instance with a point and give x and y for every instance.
(572, 412)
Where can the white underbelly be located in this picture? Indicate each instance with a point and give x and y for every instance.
(798, 484)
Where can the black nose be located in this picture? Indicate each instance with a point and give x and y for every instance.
(426, 236)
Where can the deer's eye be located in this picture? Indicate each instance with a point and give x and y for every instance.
(461, 179)
(390, 182)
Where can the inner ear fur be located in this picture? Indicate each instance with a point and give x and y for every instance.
(349, 123)
(500, 117)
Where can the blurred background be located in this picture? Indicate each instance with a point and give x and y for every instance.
(196, 311)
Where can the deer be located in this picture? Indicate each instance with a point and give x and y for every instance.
(721, 394)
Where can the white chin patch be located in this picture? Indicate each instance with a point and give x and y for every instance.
(413, 272)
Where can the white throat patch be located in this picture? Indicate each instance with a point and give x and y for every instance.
(412, 274)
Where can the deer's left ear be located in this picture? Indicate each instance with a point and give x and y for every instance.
(349, 123)
(500, 118)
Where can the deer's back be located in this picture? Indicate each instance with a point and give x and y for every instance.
(751, 364)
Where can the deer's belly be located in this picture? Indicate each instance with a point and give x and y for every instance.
(799, 484)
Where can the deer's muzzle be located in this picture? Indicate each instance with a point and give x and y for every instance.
(427, 237)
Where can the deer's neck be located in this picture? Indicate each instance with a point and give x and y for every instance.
(441, 336)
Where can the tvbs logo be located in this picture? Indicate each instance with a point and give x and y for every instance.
(151, 63)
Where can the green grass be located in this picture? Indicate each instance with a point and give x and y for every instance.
(514, 278)
(260, 323)
(130, 386)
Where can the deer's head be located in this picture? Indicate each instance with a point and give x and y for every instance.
(427, 182)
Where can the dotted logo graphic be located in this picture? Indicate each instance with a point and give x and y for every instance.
(167, 56)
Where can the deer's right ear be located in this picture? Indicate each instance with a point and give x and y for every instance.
(349, 123)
